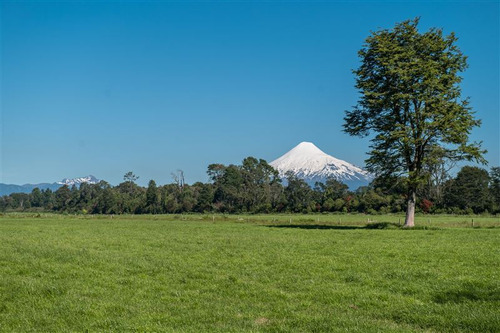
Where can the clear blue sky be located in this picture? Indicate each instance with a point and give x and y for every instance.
(105, 88)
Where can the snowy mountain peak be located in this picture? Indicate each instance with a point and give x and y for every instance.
(77, 181)
(310, 163)
(306, 148)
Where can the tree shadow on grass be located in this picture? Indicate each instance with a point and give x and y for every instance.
(369, 226)
(382, 225)
(379, 225)
(468, 291)
(315, 226)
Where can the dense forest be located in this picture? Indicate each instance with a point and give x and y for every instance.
(254, 187)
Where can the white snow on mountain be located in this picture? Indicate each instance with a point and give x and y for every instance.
(77, 181)
(308, 162)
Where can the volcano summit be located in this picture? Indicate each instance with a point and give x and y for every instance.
(308, 162)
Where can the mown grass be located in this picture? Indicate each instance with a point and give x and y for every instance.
(246, 273)
(422, 221)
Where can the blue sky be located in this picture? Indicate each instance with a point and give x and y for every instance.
(105, 88)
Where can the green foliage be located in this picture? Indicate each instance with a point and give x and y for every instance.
(62, 197)
(254, 187)
(153, 199)
(410, 99)
(298, 194)
(469, 190)
(36, 198)
(411, 102)
(331, 195)
(130, 177)
(495, 188)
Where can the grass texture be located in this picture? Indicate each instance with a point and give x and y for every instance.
(247, 273)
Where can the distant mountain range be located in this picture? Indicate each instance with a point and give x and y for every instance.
(305, 160)
(308, 162)
(6, 189)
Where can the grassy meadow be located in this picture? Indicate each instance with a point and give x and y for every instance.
(279, 273)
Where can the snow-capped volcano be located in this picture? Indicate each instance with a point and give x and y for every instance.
(308, 162)
(77, 181)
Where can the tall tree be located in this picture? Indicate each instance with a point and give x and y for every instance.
(258, 180)
(36, 198)
(63, 197)
(130, 177)
(153, 198)
(437, 171)
(205, 197)
(411, 101)
(298, 193)
(495, 187)
(469, 190)
(331, 194)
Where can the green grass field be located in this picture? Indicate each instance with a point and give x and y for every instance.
(198, 273)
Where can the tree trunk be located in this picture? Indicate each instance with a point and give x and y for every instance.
(410, 210)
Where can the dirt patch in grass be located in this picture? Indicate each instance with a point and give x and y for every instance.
(261, 321)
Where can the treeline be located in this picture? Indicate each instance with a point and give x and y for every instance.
(254, 187)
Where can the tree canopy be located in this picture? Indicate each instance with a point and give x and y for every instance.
(253, 187)
(410, 101)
